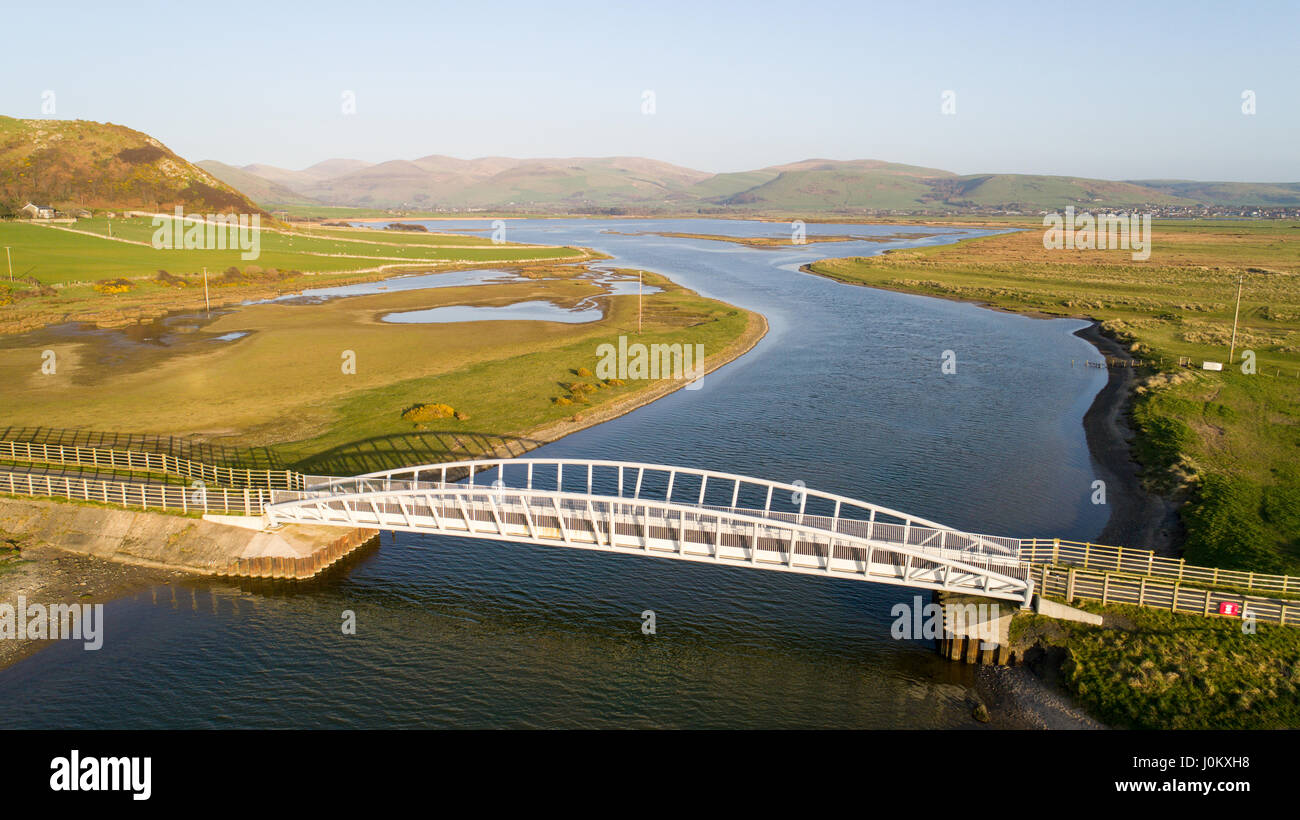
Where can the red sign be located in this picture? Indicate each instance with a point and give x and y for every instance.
(1229, 608)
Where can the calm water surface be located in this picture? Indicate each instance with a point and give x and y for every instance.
(845, 393)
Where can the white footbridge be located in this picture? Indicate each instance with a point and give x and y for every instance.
(665, 512)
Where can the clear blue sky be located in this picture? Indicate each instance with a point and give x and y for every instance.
(1116, 90)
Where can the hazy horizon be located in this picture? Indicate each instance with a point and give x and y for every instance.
(1127, 92)
(303, 167)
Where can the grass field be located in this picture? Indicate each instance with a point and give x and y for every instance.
(1165, 671)
(52, 255)
(71, 275)
(1228, 442)
(283, 384)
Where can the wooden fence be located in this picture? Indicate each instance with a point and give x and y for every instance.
(242, 501)
(1114, 588)
(1145, 562)
(151, 462)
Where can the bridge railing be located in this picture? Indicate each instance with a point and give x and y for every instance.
(636, 480)
(948, 542)
(701, 488)
(138, 461)
(719, 534)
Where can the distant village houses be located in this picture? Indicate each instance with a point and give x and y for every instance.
(39, 211)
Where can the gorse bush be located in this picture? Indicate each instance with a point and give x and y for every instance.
(114, 286)
(429, 412)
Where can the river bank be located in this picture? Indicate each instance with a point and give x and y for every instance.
(48, 575)
(1138, 517)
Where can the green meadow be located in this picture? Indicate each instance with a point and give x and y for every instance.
(1150, 669)
(52, 255)
(283, 386)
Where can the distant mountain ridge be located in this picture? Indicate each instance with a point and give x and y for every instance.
(631, 184)
(75, 164)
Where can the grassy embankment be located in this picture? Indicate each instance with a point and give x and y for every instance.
(283, 385)
(1226, 442)
(1158, 670)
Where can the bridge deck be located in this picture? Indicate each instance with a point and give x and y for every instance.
(900, 552)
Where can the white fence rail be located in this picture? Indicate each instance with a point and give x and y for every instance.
(184, 500)
(160, 463)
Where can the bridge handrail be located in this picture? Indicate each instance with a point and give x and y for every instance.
(576, 503)
(911, 533)
(803, 492)
(286, 499)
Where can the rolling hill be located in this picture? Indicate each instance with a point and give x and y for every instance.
(446, 182)
(73, 164)
(630, 184)
(1233, 194)
(257, 188)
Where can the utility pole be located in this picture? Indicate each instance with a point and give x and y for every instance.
(205, 292)
(10, 257)
(1232, 350)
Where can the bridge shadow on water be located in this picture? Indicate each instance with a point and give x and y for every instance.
(351, 458)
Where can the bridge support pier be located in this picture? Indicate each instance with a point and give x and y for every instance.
(976, 630)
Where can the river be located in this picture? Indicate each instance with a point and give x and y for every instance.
(846, 393)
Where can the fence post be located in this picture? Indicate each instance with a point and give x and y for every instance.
(1056, 550)
(1087, 548)
(1142, 592)
(1105, 587)
(1174, 606)
(1069, 586)
(1207, 603)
